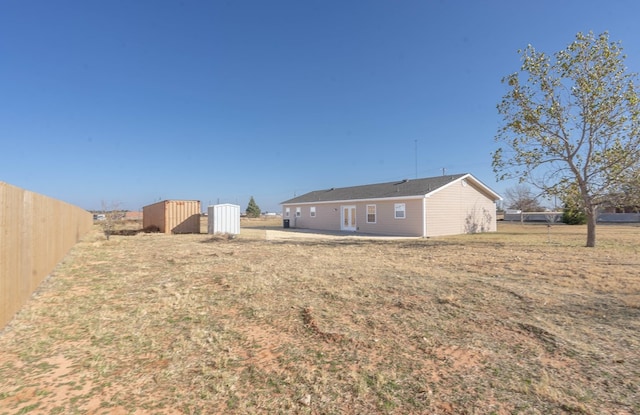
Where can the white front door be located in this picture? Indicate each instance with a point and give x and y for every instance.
(348, 218)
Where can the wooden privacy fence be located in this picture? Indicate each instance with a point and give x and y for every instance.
(36, 232)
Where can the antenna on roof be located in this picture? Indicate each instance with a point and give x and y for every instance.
(416, 151)
(443, 171)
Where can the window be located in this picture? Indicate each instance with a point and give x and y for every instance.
(371, 213)
(287, 212)
(399, 210)
(298, 212)
(312, 211)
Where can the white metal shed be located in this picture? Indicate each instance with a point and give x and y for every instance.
(224, 218)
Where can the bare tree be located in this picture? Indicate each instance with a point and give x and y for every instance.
(522, 198)
(627, 195)
(111, 214)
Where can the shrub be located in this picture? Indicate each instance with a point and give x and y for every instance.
(574, 216)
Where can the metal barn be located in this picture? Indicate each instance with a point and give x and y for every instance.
(224, 218)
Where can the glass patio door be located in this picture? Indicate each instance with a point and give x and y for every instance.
(348, 218)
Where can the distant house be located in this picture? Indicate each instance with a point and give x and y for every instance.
(132, 215)
(435, 206)
(622, 213)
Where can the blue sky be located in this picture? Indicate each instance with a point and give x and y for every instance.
(130, 102)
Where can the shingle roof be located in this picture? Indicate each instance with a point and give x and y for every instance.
(414, 187)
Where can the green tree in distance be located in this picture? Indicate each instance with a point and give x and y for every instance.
(571, 120)
(573, 212)
(253, 210)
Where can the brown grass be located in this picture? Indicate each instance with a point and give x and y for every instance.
(519, 321)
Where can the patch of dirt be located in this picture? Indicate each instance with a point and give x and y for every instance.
(274, 321)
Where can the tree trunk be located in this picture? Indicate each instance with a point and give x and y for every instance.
(592, 217)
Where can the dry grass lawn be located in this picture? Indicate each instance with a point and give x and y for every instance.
(521, 321)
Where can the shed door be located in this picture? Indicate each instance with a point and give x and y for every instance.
(348, 218)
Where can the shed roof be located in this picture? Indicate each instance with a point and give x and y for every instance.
(396, 189)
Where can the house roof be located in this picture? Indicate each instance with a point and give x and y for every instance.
(397, 189)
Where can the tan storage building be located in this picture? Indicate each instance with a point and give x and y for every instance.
(173, 216)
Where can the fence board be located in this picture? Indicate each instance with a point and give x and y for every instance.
(36, 232)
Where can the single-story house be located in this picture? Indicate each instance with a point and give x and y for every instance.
(434, 206)
(132, 215)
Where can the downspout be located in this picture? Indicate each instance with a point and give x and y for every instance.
(424, 217)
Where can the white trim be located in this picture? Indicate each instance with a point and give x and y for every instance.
(420, 196)
(375, 213)
(424, 217)
(465, 177)
(354, 226)
(378, 199)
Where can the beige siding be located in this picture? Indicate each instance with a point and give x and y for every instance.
(328, 217)
(387, 224)
(458, 209)
(173, 216)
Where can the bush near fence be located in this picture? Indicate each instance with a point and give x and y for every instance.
(36, 232)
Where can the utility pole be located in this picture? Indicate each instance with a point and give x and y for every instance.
(443, 170)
